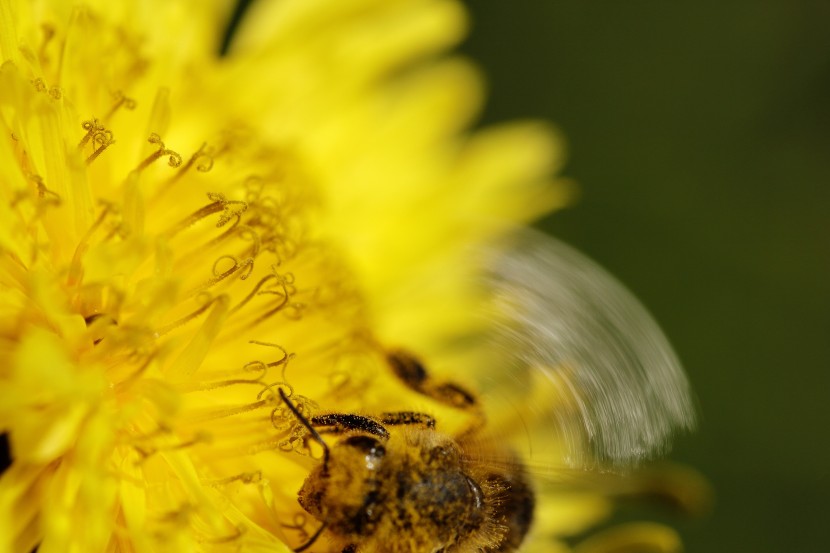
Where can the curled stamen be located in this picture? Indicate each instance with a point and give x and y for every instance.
(218, 413)
(218, 275)
(44, 194)
(198, 437)
(298, 524)
(174, 159)
(187, 318)
(253, 186)
(253, 293)
(283, 247)
(237, 533)
(120, 101)
(282, 419)
(251, 366)
(268, 212)
(248, 232)
(246, 478)
(202, 159)
(285, 282)
(285, 386)
(244, 231)
(54, 92)
(246, 267)
(197, 215)
(230, 208)
(289, 423)
(249, 266)
(92, 127)
(286, 357)
(294, 311)
(101, 140)
(216, 263)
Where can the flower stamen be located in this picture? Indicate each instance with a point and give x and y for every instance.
(202, 159)
(216, 413)
(298, 523)
(120, 101)
(91, 126)
(238, 533)
(46, 196)
(101, 141)
(39, 85)
(230, 209)
(173, 160)
(254, 477)
(148, 451)
(251, 366)
(286, 357)
(247, 264)
(219, 300)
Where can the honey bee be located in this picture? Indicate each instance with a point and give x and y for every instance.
(615, 392)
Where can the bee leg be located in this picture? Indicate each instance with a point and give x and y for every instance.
(414, 375)
(343, 422)
(407, 417)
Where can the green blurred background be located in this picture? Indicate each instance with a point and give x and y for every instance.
(699, 132)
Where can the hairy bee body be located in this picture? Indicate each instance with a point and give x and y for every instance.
(570, 345)
(414, 492)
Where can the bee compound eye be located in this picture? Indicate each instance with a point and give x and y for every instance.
(366, 444)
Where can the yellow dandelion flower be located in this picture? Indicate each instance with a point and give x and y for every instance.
(200, 254)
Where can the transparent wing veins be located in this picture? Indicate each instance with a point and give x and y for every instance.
(567, 320)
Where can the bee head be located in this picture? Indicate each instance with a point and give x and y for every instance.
(345, 492)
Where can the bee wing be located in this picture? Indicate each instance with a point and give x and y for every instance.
(591, 360)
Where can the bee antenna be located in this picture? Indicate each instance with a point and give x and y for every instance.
(317, 438)
(312, 539)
